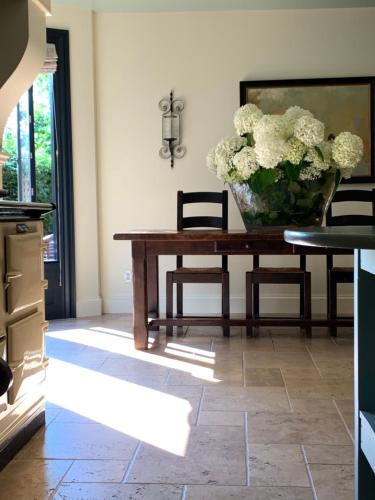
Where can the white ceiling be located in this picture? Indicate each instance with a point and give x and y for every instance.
(204, 5)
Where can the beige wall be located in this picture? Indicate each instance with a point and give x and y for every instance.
(203, 56)
(79, 23)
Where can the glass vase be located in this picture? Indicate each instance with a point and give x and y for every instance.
(286, 203)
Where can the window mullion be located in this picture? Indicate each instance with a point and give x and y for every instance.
(32, 146)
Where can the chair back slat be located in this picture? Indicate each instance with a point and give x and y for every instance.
(202, 222)
(199, 222)
(356, 196)
(201, 197)
(352, 195)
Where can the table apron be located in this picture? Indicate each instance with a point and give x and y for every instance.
(234, 247)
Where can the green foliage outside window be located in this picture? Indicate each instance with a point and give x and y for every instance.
(43, 148)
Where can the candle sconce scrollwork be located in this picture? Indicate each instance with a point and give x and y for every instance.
(171, 128)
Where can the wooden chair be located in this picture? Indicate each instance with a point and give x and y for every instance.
(199, 275)
(337, 275)
(287, 275)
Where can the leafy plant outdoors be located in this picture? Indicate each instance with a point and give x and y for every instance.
(42, 149)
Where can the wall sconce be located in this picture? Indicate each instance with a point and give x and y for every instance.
(171, 128)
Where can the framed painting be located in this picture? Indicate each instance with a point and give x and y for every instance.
(342, 104)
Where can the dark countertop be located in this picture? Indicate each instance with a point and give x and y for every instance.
(13, 210)
(338, 237)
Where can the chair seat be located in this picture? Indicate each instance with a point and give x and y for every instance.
(199, 270)
(278, 270)
(342, 270)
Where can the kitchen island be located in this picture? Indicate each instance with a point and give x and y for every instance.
(362, 240)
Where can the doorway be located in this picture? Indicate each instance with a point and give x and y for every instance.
(39, 169)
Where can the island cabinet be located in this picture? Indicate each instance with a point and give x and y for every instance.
(22, 330)
(365, 373)
(362, 239)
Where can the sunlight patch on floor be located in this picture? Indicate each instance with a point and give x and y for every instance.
(147, 414)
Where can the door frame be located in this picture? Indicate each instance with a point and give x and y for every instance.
(64, 169)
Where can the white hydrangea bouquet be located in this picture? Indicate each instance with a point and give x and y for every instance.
(281, 168)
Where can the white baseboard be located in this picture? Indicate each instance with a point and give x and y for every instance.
(89, 307)
(211, 304)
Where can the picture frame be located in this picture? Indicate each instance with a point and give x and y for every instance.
(342, 104)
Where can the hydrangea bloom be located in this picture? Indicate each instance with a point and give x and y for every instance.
(211, 160)
(296, 151)
(347, 150)
(309, 130)
(274, 140)
(270, 151)
(291, 115)
(224, 153)
(317, 163)
(245, 162)
(270, 125)
(246, 117)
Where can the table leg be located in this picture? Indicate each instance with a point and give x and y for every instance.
(153, 287)
(140, 307)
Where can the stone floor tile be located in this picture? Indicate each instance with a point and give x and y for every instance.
(278, 360)
(215, 374)
(123, 367)
(247, 493)
(236, 418)
(80, 441)
(263, 377)
(77, 491)
(324, 389)
(277, 465)
(290, 373)
(97, 471)
(29, 479)
(289, 344)
(211, 457)
(262, 343)
(329, 455)
(295, 428)
(250, 399)
(333, 482)
(314, 406)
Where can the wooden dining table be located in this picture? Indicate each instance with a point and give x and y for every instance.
(148, 245)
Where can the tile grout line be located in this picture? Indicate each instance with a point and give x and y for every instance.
(309, 472)
(243, 369)
(343, 420)
(199, 406)
(131, 463)
(286, 391)
(62, 478)
(247, 451)
(184, 492)
(313, 362)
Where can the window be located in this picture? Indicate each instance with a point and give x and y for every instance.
(29, 138)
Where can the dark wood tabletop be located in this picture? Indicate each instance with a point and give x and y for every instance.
(260, 233)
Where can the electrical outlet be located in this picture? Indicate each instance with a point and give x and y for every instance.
(128, 276)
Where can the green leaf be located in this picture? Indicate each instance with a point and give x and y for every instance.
(250, 140)
(262, 178)
(319, 152)
(291, 171)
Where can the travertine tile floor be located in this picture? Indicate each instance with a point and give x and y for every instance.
(197, 417)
